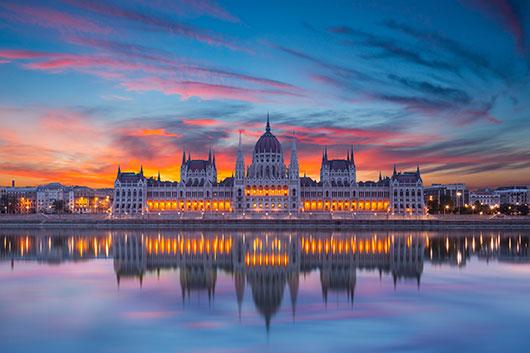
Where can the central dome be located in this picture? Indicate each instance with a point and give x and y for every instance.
(268, 142)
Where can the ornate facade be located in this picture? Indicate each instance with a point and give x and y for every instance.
(268, 186)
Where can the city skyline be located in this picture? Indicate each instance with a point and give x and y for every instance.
(92, 86)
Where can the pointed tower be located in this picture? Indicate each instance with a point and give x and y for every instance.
(240, 161)
(210, 155)
(294, 172)
(119, 172)
(324, 167)
(395, 171)
(353, 168)
(141, 170)
(268, 126)
(158, 176)
(183, 167)
(214, 170)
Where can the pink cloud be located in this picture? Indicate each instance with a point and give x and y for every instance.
(158, 22)
(188, 89)
(22, 54)
(212, 9)
(49, 18)
(201, 122)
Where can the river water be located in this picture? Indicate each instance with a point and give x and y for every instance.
(255, 291)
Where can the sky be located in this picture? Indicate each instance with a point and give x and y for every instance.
(88, 85)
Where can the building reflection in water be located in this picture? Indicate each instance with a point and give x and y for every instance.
(266, 263)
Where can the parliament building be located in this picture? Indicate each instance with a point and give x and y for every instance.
(268, 186)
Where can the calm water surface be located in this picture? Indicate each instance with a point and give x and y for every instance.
(254, 291)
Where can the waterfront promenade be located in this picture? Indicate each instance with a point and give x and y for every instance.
(305, 220)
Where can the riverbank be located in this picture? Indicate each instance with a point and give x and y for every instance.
(333, 222)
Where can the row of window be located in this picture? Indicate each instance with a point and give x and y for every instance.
(174, 194)
(407, 192)
(378, 194)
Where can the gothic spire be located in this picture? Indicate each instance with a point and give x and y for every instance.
(294, 171)
(380, 176)
(141, 169)
(159, 175)
(240, 162)
(183, 156)
(352, 158)
(395, 171)
(210, 155)
(418, 169)
(189, 156)
(119, 170)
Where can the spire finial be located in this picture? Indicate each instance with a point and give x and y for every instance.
(239, 144)
(119, 170)
(268, 126)
(141, 169)
(395, 171)
(159, 175)
(380, 176)
(418, 169)
(183, 156)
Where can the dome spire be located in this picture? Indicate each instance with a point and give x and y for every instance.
(268, 126)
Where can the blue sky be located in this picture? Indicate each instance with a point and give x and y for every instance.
(89, 85)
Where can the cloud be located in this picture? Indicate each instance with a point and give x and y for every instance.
(157, 22)
(390, 49)
(210, 8)
(341, 71)
(22, 54)
(436, 40)
(51, 18)
(188, 89)
(507, 14)
(455, 95)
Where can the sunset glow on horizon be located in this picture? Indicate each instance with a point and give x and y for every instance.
(89, 86)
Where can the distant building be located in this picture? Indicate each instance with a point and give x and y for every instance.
(46, 198)
(51, 195)
(485, 197)
(458, 193)
(515, 195)
(268, 185)
(18, 199)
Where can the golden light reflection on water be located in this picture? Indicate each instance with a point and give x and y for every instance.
(268, 262)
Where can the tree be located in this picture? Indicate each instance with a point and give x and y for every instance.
(445, 200)
(59, 206)
(9, 204)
